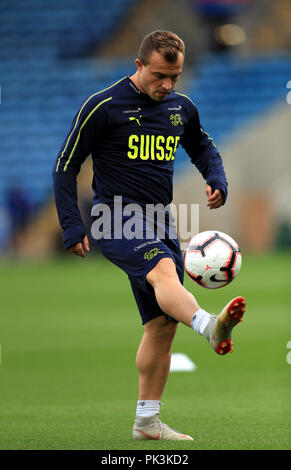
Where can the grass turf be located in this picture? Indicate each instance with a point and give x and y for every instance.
(69, 333)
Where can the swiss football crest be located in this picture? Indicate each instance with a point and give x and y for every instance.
(176, 119)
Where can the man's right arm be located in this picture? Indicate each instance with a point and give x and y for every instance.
(87, 129)
(205, 156)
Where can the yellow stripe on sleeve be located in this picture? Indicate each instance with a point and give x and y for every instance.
(77, 120)
(84, 123)
(185, 96)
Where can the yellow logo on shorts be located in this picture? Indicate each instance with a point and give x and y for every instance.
(152, 253)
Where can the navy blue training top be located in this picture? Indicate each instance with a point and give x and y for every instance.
(132, 140)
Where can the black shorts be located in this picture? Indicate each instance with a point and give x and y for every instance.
(138, 256)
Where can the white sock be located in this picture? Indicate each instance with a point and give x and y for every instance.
(200, 320)
(148, 407)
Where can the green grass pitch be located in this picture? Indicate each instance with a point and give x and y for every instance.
(69, 332)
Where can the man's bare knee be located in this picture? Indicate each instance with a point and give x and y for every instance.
(161, 329)
(164, 268)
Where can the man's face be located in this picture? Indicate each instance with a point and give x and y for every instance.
(158, 78)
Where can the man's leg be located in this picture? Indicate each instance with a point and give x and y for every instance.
(154, 356)
(178, 303)
(171, 295)
(153, 363)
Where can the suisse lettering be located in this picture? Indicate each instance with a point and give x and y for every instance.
(152, 147)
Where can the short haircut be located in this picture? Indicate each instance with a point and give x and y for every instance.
(165, 42)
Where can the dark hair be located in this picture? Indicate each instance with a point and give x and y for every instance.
(165, 42)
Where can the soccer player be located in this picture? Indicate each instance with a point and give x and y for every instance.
(132, 130)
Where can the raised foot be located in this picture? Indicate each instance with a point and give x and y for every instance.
(222, 325)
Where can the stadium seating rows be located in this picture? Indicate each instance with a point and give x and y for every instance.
(37, 107)
(68, 28)
(44, 81)
(230, 91)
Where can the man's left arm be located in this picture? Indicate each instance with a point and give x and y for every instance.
(205, 156)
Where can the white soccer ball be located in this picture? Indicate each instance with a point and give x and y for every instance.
(212, 259)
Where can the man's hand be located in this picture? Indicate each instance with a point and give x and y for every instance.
(78, 248)
(215, 199)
